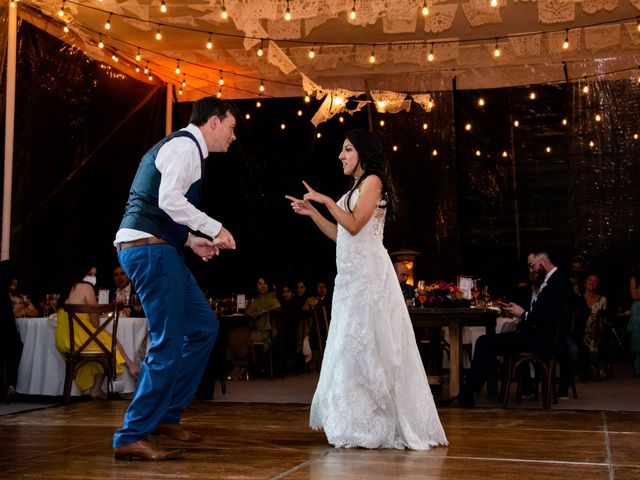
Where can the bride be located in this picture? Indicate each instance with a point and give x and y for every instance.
(373, 391)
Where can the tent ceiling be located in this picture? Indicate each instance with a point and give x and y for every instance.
(603, 36)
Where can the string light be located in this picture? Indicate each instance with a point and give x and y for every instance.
(430, 104)
(494, 3)
(532, 95)
(467, 127)
(372, 57)
(258, 104)
(425, 126)
(312, 53)
(114, 57)
(478, 153)
(287, 13)
(184, 80)
(261, 87)
(585, 89)
(224, 13)
(638, 23)
(66, 29)
(299, 113)
(12, 3)
(209, 43)
(425, 9)
(592, 144)
(146, 68)
(261, 49)
(504, 154)
(318, 135)
(138, 56)
(247, 116)
(598, 117)
(61, 11)
(548, 149)
(282, 126)
(100, 44)
(341, 119)
(382, 123)
(221, 80)
(352, 15)
(395, 148)
(180, 92)
(565, 44)
(150, 77)
(434, 152)
(158, 34)
(163, 9)
(496, 52)
(565, 122)
(137, 68)
(481, 102)
(430, 57)
(307, 99)
(107, 26)
(516, 123)
(178, 68)
(219, 94)
(635, 136)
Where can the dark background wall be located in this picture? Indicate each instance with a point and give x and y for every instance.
(81, 129)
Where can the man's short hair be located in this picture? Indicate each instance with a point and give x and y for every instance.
(208, 107)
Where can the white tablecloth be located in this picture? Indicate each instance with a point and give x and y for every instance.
(471, 334)
(42, 367)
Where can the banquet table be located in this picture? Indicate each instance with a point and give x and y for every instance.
(42, 367)
(455, 319)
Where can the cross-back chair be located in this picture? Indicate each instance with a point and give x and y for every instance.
(79, 355)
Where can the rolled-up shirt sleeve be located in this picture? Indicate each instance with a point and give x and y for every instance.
(179, 164)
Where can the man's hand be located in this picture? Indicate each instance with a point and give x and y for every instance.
(203, 247)
(224, 240)
(513, 309)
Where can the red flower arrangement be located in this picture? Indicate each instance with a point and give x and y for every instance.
(442, 294)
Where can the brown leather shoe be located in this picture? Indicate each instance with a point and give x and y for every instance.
(143, 450)
(177, 432)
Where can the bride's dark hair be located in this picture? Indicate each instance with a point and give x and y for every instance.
(373, 162)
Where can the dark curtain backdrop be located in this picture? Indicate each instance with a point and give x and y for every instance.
(81, 129)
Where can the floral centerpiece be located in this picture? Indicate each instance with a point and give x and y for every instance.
(442, 294)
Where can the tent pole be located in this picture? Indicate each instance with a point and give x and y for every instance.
(12, 29)
(168, 122)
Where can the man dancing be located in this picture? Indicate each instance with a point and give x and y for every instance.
(159, 219)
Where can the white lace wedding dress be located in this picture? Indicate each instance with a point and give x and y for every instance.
(373, 391)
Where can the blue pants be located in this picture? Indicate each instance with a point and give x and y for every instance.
(182, 331)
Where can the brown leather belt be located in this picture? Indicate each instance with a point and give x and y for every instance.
(139, 242)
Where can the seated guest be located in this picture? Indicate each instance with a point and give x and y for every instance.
(321, 297)
(22, 306)
(80, 290)
(259, 309)
(535, 333)
(124, 294)
(301, 291)
(408, 291)
(10, 342)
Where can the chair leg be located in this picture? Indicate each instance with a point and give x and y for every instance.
(68, 380)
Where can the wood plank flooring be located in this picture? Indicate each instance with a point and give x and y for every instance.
(273, 441)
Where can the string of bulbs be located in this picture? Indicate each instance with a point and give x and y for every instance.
(312, 53)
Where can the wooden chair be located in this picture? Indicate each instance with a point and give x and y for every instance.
(77, 356)
(545, 367)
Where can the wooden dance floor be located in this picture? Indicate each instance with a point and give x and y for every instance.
(262, 441)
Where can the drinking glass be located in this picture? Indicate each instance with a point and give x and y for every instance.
(475, 291)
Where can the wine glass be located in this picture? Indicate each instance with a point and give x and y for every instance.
(486, 295)
(422, 292)
(475, 291)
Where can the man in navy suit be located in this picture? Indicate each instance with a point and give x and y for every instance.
(535, 332)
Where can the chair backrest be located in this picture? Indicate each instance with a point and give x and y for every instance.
(109, 310)
(564, 326)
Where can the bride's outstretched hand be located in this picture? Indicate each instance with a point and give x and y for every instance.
(301, 207)
(312, 195)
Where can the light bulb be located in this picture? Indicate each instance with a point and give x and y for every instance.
(261, 49)
(61, 11)
(585, 89)
(425, 9)
(478, 153)
(481, 102)
(146, 69)
(395, 148)
(598, 117)
(287, 15)
(565, 44)
(180, 92)
(496, 52)
(372, 57)
(352, 15)
(219, 94)
(565, 122)
(184, 80)
(312, 53)
(504, 154)
(341, 119)
(107, 26)
(592, 144)
(221, 81)
(158, 34)
(635, 136)
(163, 9)
(425, 126)
(516, 123)
(12, 3)
(66, 30)
(382, 123)
(282, 126)
(467, 127)
(548, 149)
(150, 77)
(318, 135)
(299, 113)
(532, 95)
(224, 13)
(138, 56)
(494, 3)
(434, 152)
(209, 43)
(138, 68)
(178, 68)
(261, 87)
(307, 99)
(258, 104)
(430, 57)
(100, 44)
(247, 116)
